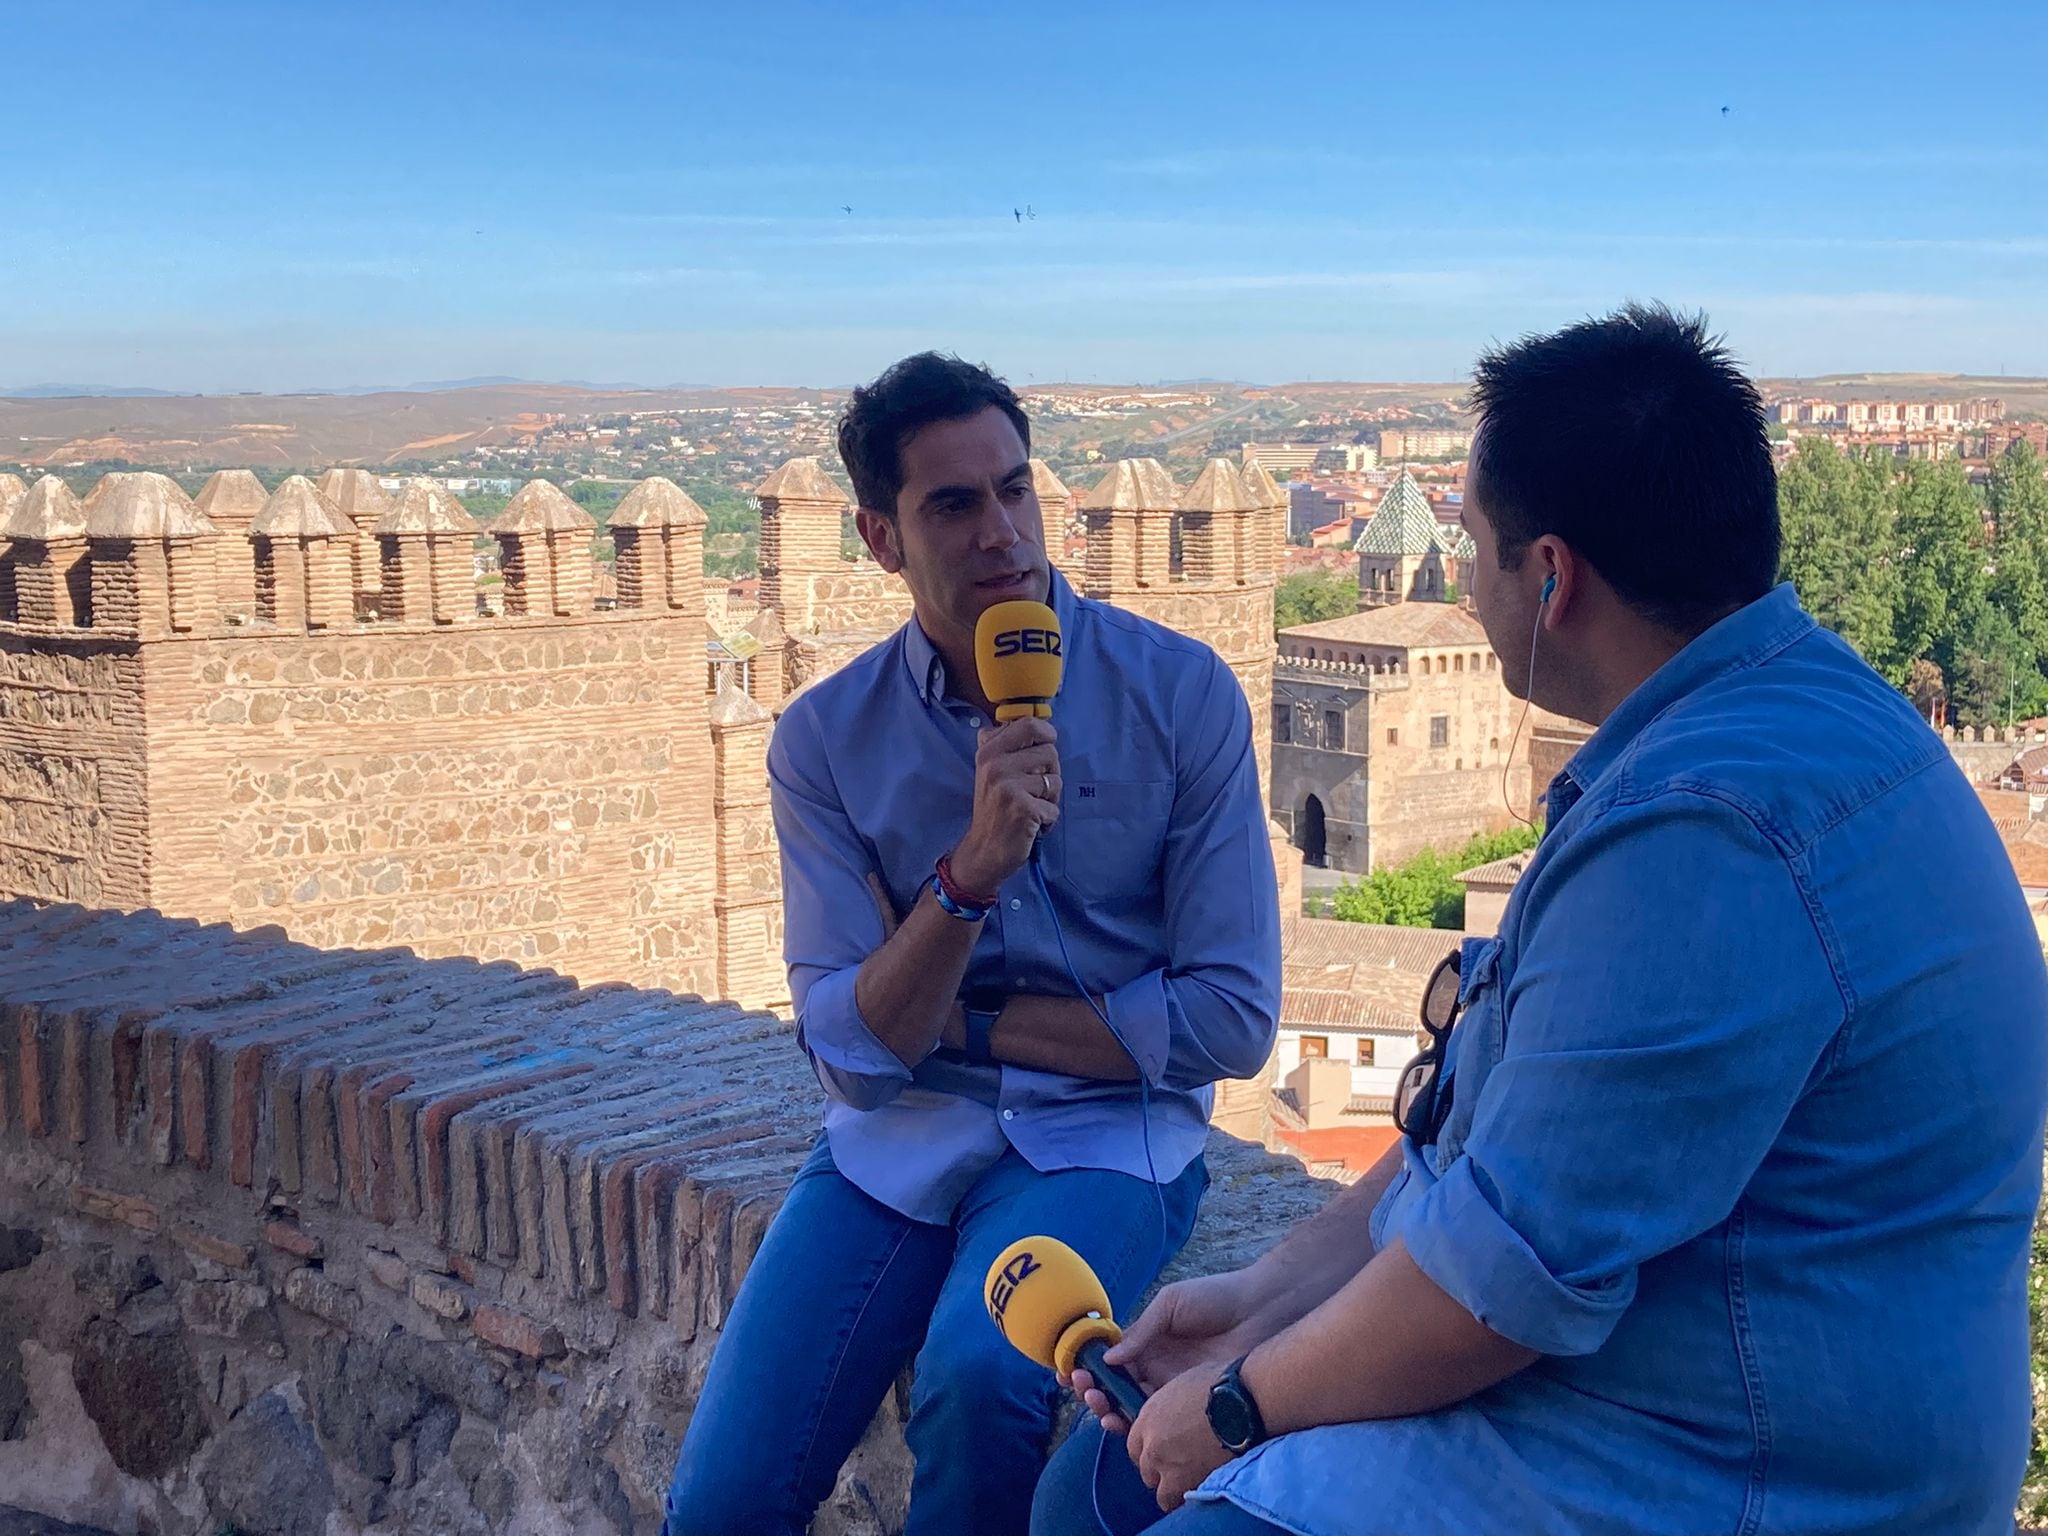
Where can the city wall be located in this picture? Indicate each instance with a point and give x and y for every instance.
(314, 1241)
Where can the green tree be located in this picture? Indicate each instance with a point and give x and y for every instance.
(1312, 595)
(1945, 589)
(1841, 547)
(1424, 892)
(2019, 545)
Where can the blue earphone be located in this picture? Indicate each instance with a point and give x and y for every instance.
(1549, 586)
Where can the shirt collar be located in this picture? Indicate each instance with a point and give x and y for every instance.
(927, 667)
(1746, 636)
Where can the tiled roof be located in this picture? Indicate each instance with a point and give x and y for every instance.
(2028, 850)
(1458, 542)
(1341, 1007)
(1400, 625)
(1332, 941)
(1260, 485)
(1500, 872)
(1405, 523)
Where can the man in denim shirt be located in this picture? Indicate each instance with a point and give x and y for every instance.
(1030, 1050)
(1717, 1220)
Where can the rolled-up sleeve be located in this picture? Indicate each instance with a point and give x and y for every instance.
(1671, 1001)
(1212, 1010)
(830, 921)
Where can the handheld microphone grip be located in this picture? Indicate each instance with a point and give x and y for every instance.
(1048, 1303)
(1114, 1381)
(1018, 660)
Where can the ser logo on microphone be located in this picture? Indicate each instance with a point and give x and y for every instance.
(1005, 1284)
(1033, 642)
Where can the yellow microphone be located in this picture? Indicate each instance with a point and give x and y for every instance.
(1017, 657)
(1047, 1302)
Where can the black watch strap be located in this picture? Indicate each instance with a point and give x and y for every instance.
(1234, 1413)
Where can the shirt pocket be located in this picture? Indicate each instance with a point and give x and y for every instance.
(1113, 833)
(1477, 1041)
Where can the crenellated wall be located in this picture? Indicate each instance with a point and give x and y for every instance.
(231, 729)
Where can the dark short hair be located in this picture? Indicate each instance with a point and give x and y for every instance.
(911, 395)
(1636, 440)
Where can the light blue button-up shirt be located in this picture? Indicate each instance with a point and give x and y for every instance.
(1159, 872)
(1745, 1137)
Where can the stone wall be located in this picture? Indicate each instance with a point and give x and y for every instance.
(1387, 791)
(316, 1243)
(74, 823)
(1984, 755)
(519, 789)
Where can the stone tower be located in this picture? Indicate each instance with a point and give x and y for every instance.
(1404, 554)
(748, 897)
(1056, 505)
(360, 499)
(544, 551)
(425, 561)
(49, 581)
(801, 512)
(231, 499)
(1222, 592)
(305, 560)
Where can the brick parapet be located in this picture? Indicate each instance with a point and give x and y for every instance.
(508, 1191)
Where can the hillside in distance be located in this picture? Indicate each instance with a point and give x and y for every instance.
(1074, 425)
(298, 431)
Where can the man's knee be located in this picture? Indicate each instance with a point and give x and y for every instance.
(973, 1371)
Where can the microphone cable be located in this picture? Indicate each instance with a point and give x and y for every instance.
(1144, 1088)
(1145, 1125)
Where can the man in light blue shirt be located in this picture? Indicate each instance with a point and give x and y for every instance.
(1089, 937)
(1715, 1217)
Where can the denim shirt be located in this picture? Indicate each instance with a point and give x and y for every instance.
(1159, 872)
(1745, 1138)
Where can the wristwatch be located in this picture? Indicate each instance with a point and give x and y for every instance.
(981, 1020)
(1233, 1415)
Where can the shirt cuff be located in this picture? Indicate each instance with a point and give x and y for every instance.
(1139, 1018)
(1461, 1242)
(852, 1063)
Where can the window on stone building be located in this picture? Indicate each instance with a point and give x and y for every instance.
(1458, 663)
(1425, 666)
(1475, 661)
(1315, 1047)
(1439, 730)
(1492, 662)
(1493, 744)
(1393, 736)
(1283, 723)
(1333, 729)
(1366, 1044)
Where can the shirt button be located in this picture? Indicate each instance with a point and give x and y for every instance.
(975, 721)
(1017, 982)
(1009, 1114)
(1015, 904)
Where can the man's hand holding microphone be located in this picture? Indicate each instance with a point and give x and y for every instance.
(1016, 797)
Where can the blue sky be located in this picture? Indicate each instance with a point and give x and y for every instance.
(221, 196)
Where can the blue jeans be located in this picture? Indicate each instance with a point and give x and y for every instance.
(845, 1290)
(1092, 1488)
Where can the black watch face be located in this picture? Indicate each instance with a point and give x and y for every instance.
(1230, 1417)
